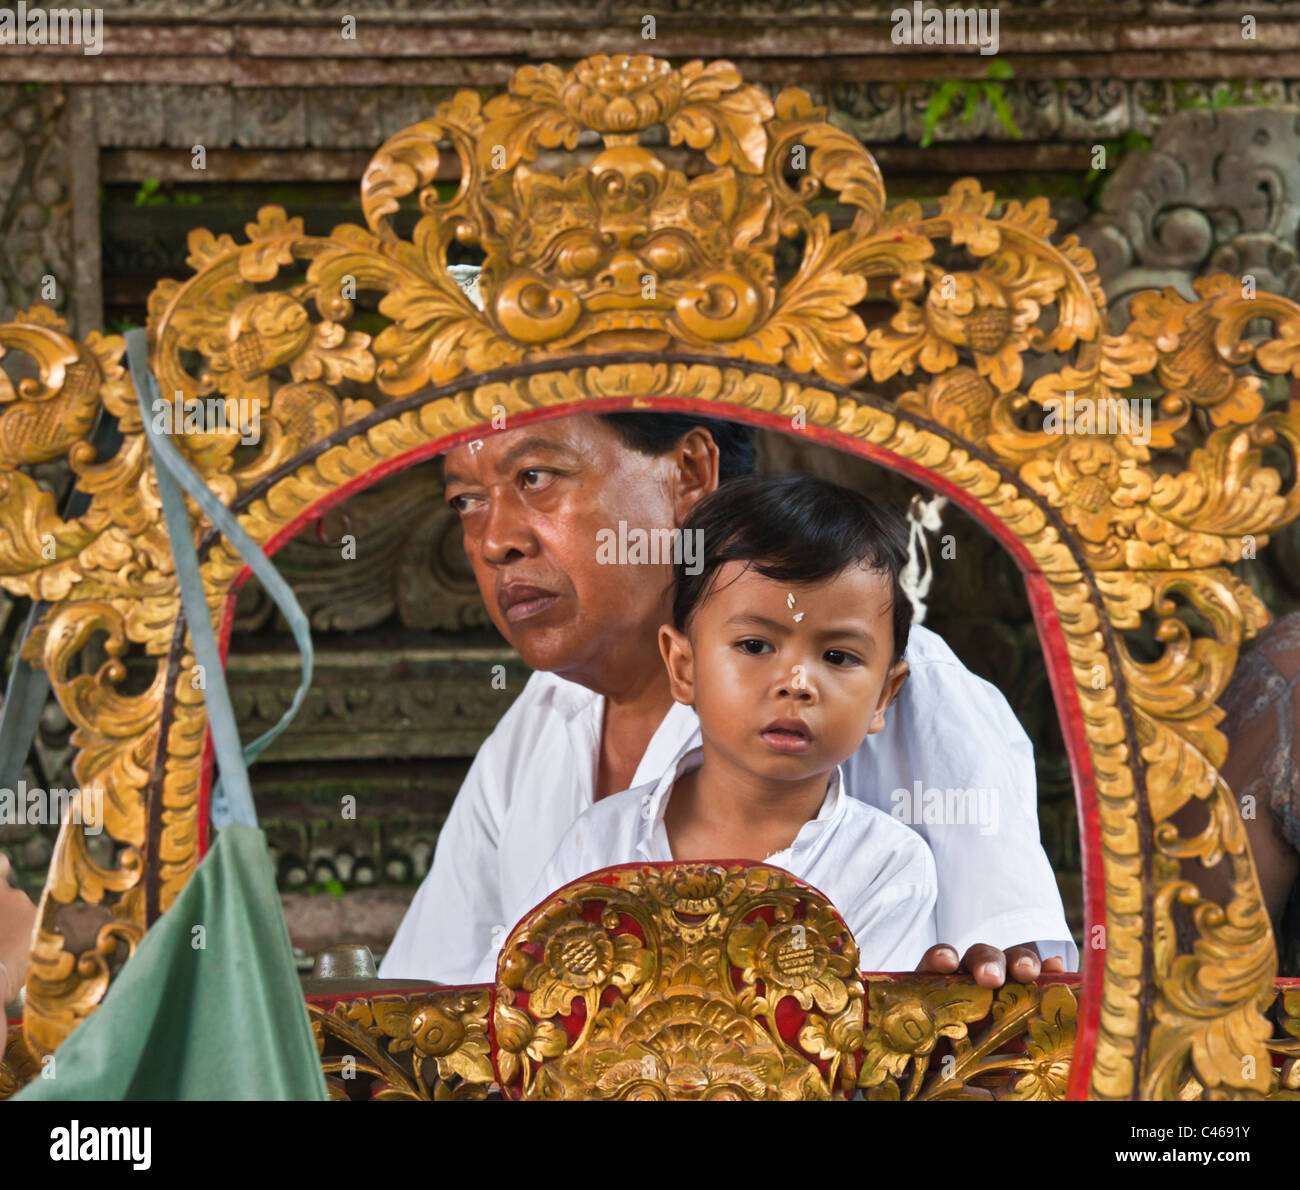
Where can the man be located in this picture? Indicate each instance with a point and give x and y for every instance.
(598, 717)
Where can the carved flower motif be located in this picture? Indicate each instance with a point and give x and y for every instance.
(578, 957)
(795, 958)
(623, 93)
(523, 1042)
(454, 1035)
(696, 895)
(959, 399)
(1099, 486)
(1050, 1045)
(265, 331)
(973, 310)
(684, 1047)
(905, 1020)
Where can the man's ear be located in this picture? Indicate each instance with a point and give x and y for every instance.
(695, 471)
(893, 682)
(676, 651)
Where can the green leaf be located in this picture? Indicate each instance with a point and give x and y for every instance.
(939, 103)
(334, 888)
(146, 192)
(999, 69)
(1002, 109)
(972, 98)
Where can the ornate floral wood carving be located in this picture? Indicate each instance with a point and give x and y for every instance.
(870, 345)
(430, 1045)
(669, 981)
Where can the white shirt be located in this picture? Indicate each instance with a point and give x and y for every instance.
(876, 872)
(536, 773)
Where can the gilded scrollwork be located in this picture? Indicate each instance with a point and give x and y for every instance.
(429, 1045)
(930, 1038)
(625, 280)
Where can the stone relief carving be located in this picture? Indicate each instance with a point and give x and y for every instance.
(35, 202)
(1218, 191)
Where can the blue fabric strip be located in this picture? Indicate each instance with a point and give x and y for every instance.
(232, 798)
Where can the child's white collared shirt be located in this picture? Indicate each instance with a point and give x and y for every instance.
(536, 773)
(877, 872)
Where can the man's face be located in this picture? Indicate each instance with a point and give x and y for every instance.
(532, 501)
(759, 651)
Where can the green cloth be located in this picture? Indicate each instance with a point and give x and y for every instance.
(227, 1021)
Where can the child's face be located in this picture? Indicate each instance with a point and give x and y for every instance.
(749, 662)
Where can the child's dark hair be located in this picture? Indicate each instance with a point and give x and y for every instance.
(793, 528)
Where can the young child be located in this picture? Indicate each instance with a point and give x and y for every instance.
(788, 642)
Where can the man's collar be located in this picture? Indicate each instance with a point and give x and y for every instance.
(568, 698)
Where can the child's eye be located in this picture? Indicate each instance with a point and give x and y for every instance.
(841, 658)
(744, 644)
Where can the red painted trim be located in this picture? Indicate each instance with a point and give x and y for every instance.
(1060, 673)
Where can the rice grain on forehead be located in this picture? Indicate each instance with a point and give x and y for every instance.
(797, 529)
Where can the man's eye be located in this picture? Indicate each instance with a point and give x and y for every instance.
(744, 644)
(538, 474)
(458, 504)
(841, 658)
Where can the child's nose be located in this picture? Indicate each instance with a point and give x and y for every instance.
(798, 683)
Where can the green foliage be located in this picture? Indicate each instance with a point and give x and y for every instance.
(970, 92)
(1114, 149)
(1237, 93)
(119, 326)
(149, 196)
(333, 887)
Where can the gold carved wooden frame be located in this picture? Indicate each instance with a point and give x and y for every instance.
(1105, 526)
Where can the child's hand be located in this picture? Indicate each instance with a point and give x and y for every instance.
(17, 917)
(989, 965)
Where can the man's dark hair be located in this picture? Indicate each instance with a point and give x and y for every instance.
(658, 433)
(793, 528)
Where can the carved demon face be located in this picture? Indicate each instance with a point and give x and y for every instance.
(622, 253)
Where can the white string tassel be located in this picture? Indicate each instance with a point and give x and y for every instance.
(921, 515)
(466, 276)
